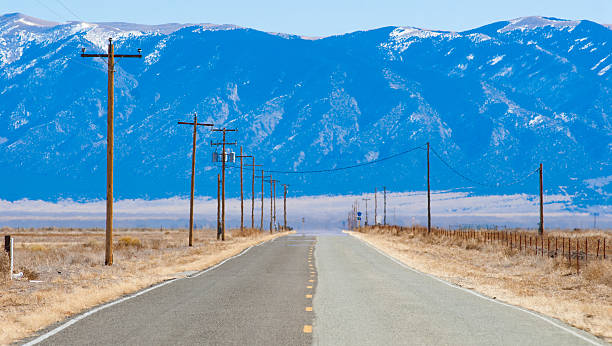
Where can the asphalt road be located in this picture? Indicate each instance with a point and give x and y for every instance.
(357, 296)
(258, 298)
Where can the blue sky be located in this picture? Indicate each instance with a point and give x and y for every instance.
(313, 17)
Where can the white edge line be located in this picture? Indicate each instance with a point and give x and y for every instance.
(121, 300)
(553, 322)
(93, 311)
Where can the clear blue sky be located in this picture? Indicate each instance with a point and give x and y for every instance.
(313, 17)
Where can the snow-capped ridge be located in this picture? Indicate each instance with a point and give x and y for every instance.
(535, 22)
(25, 20)
(409, 31)
(165, 29)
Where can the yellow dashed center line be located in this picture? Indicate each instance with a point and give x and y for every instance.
(307, 327)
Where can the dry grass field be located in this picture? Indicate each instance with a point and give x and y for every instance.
(64, 273)
(546, 284)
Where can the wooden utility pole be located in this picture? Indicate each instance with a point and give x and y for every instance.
(274, 200)
(366, 210)
(358, 216)
(108, 259)
(428, 195)
(354, 214)
(375, 208)
(348, 221)
(223, 160)
(253, 193)
(193, 155)
(271, 203)
(241, 193)
(285, 206)
(385, 205)
(263, 178)
(218, 206)
(541, 228)
(262, 199)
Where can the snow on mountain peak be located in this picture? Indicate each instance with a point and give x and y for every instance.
(404, 32)
(22, 19)
(402, 37)
(534, 22)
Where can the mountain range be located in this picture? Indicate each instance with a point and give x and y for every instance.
(494, 102)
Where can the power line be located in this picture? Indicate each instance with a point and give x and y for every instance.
(477, 182)
(449, 166)
(69, 10)
(351, 166)
(51, 10)
(75, 61)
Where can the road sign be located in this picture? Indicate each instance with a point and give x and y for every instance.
(359, 218)
(358, 213)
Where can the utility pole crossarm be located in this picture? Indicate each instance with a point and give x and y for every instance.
(115, 55)
(95, 55)
(200, 124)
(128, 56)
